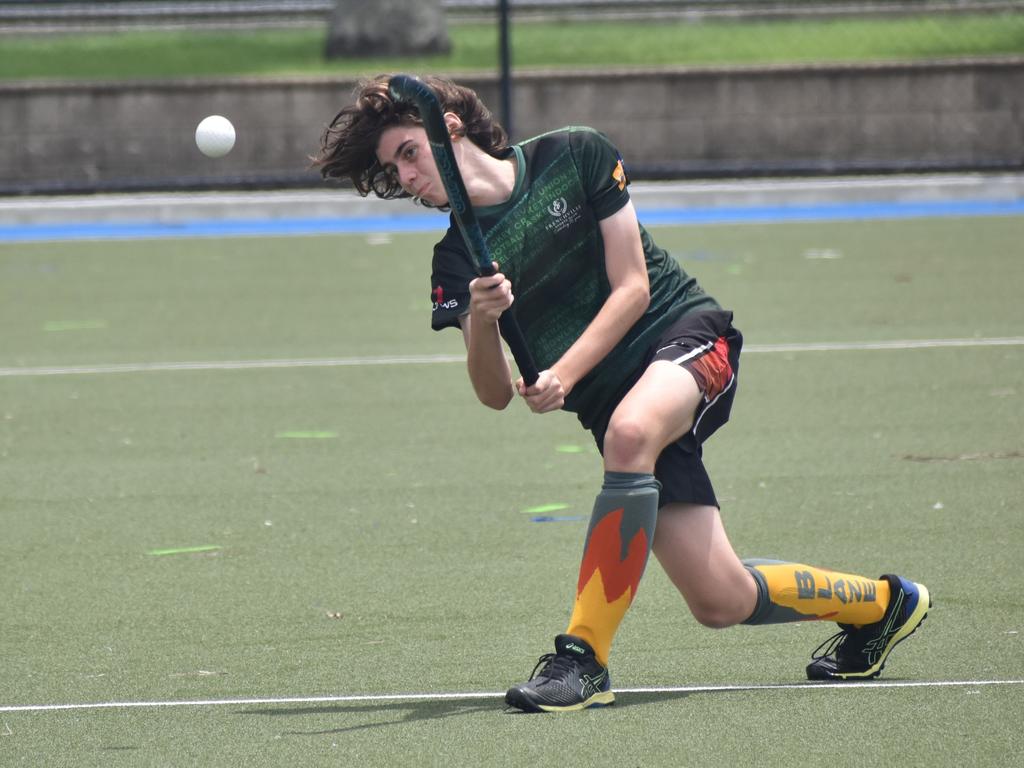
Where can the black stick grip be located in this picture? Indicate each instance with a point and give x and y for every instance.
(513, 336)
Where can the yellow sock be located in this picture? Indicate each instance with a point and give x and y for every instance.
(794, 592)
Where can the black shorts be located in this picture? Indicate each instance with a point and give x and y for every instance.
(706, 344)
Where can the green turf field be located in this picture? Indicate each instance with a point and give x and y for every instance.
(363, 528)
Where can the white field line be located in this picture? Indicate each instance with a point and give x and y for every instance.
(230, 365)
(398, 697)
(235, 365)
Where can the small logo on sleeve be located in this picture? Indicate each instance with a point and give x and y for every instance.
(437, 296)
(619, 175)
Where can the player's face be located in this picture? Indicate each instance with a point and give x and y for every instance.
(403, 151)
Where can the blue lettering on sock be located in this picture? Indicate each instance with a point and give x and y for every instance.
(870, 593)
(856, 592)
(804, 585)
(826, 591)
(840, 590)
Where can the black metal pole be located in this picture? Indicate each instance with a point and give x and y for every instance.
(506, 67)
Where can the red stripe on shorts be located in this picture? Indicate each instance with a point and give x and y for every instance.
(712, 369)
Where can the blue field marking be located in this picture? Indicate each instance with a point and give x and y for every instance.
(833, 212)
(222, 228)
(438, 222)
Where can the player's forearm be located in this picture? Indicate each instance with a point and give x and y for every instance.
(620, 312)
(488, 367)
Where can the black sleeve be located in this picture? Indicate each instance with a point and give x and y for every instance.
(449, 281)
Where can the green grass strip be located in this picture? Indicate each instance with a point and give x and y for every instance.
(307, 435)
(168, 54)
(544, 509)
(74, 325)
(184, 550)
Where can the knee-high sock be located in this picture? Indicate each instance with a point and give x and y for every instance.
(618, 543)
(793, 592)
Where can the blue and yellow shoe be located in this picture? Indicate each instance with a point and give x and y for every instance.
(569, 679)
(859, 653)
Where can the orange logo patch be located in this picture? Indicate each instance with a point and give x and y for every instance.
(619, 175)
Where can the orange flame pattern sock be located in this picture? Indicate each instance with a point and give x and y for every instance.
(614, 557)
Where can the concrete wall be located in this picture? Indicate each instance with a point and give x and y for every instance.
(839, 118)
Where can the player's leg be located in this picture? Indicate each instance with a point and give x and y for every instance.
(692, 370)
(693, 549)
(690, 367)
(617, 546)
(721, 590)
(655, 412)
(874, 614)
(691, 544)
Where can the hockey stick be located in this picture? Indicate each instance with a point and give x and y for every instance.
(411, 89)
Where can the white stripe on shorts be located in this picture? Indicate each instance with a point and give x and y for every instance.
(706, 408)
(696, 352)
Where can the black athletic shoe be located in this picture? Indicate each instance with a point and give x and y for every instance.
(859, 653)
(568, 679)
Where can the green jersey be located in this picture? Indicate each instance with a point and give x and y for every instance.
(546, 239)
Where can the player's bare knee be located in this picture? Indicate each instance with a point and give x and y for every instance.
(628, 446)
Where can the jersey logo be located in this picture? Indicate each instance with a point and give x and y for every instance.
(437, 295)
(562, 216)
(558, 208)
(619, 175)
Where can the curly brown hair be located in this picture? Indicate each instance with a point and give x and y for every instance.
(348, 147)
